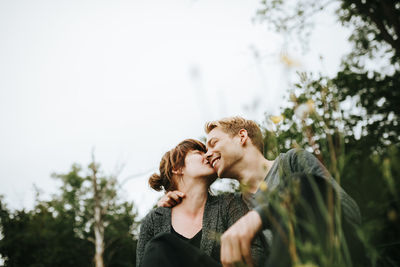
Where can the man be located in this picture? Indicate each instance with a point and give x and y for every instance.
(235, 150)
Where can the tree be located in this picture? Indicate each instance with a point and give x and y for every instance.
(61, 231)
(370, 73)
(375, 23)
(41, 238)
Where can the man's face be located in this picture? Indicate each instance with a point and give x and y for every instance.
(223, 152)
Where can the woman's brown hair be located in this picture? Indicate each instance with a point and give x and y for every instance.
(173, 160)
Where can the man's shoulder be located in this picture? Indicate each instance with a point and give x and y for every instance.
(231, 200)
(295, 153)
(298, 155)
(289, 155)
(288, 158)
(298, 160)
(227, 197)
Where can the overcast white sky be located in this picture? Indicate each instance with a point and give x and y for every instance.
(132, 79)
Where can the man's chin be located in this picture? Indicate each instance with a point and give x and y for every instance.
(212, 179)
(221, 173)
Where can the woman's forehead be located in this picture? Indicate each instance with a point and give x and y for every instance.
(195, 151)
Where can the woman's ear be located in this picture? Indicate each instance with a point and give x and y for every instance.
(177, 172)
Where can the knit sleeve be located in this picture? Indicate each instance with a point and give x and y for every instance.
(235, 209)
(146, 233)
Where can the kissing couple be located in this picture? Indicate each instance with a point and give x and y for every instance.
(279, 199)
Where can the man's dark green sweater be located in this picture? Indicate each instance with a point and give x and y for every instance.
(285, 166)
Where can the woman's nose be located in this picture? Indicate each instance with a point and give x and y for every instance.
(207, 155)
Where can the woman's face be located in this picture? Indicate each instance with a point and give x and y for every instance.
(196, 165)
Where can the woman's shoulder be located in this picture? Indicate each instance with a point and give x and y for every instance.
(158, 211)
(158, 219)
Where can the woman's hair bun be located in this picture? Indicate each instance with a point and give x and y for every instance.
(156, 182)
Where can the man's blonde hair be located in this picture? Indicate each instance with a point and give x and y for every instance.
(232, 126)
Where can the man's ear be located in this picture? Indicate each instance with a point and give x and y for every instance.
(243, 136)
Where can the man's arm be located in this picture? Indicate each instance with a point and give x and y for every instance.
(236, 241)
(171, 199)
(302, 161)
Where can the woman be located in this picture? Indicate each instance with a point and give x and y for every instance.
(199, 218)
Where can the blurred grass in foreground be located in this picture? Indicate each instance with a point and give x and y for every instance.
(317, 121)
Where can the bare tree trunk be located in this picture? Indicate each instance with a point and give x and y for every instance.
(98, 219)
(99, 236)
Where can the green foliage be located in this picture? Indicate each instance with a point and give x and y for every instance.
(312, 120)
(379, 99)
(291, 17)
(316, 121)
(375, 24)
(39, 238)
(59, 232)
(370, 74)
(359, 144)
(371, 180)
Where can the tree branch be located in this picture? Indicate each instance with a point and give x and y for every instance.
(393, 18)
(376, 17)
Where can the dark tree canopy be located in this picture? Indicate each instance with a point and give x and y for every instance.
(59, 232)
